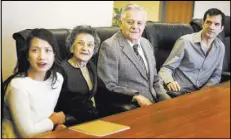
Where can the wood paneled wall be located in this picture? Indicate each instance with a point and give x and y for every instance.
(179, 11)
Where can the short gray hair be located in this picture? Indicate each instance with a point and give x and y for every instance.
(129, 7)
(83, 29)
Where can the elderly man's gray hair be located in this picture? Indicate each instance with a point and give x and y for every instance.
(129, 7)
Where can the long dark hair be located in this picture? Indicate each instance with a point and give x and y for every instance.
(23, 64)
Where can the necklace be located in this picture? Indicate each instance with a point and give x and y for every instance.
(76, 63)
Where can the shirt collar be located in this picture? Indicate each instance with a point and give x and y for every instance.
(131, 44)
(197, 38)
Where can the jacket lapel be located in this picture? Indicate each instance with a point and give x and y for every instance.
(92, 69)
(128, 51)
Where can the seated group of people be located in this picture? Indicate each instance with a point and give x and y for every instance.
(46, 94)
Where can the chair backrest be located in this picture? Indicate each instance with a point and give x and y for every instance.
(163, 37)
(61, 35)
(104, 33)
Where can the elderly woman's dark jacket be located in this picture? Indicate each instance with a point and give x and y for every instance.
(75, 97)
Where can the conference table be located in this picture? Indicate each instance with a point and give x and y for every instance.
(200, 114)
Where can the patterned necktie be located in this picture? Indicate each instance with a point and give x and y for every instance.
(135, 47)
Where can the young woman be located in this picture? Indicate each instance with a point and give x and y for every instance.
(32, 92)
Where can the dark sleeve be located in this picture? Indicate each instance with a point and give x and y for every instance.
(112, 97)
(61, 104)
(62, 93)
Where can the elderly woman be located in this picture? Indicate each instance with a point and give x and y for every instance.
(80, 77)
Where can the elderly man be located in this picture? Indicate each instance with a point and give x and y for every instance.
(196, 59)
(126, 63)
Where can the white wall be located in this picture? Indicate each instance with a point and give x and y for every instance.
(201, 7)
(17, 16)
